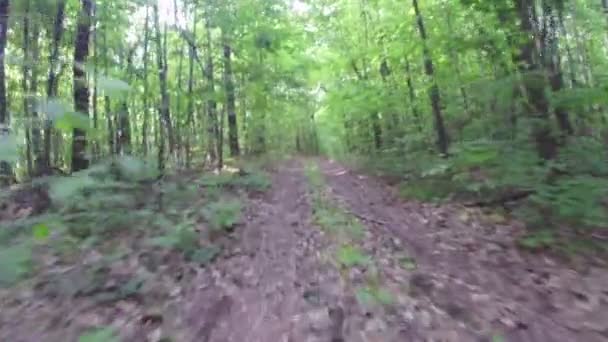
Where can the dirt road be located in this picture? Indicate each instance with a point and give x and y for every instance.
(464, 281)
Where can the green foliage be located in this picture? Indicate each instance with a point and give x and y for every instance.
(350, 256)
(250, 179)
(99, 335)
(15, 263)
(112, 87)
(373, 295)
(9, 148)
(182, 238)
(223, 214)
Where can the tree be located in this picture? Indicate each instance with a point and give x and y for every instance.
(435, 95)
(80, 160)
(5, 169)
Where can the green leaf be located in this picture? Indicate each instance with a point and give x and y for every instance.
(350, 256)
(113, 87)
(206, 255)
(9, 151)
(99, 335)
(54, 108)
(14, 263)
(64, 189)
(365, 297)
(72, 120)
(41, 232)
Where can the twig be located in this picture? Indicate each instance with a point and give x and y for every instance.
(369, 219)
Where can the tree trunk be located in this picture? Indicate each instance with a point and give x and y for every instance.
(53, 81)
(32, 94)
(233, 135)
(190, 117)
(95, 146)
(435, 96)
(124, 123)
(81, 91)
(553, 66)
(25, 79)
(412, 95)
(213, 131)
(146, 114)
(534, 84)
(5, 169)
(165, 115)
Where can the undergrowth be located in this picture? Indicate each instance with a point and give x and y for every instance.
(121, 207)
(562, 201)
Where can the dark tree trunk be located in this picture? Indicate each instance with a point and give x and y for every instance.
(213, 129)
(146, 114)
(5, 169)
(53, 81)
(412, 95)
(95, 147)
(33, 90)
(233, 135)
(554, 68)
(81, 91)
(435, 96)
(124, 122)
(25, 78)
(165, 105)
(190, 116)
(4, 13)
(534, 83)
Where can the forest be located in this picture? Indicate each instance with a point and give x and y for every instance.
(147, 146)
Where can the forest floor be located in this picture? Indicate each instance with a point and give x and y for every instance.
(327, 254)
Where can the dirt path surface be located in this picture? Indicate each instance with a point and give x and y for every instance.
(275, 285)
(470, 282)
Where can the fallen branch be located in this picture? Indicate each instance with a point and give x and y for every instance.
(369, 219)
(501, 200)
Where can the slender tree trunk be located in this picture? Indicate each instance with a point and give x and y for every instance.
(233, 135)
(124, 122)
(5, 168)
(112, 143)
(165, 116)
(32, 94)
(81, 91)
(190, 117)
(52, 82)
(146, 112)
(25, 79)
(213, 129)
(95, 146)
(412, 95)
(435, 95)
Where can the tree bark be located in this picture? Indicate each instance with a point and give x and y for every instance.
(435, 95)
(5, 168)
(190, 116)
(233, 135)
(146, 113)
(53, 81)
(164, 110)
(412, 95)
(534, 84)
(213, 129)
(80, 160)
